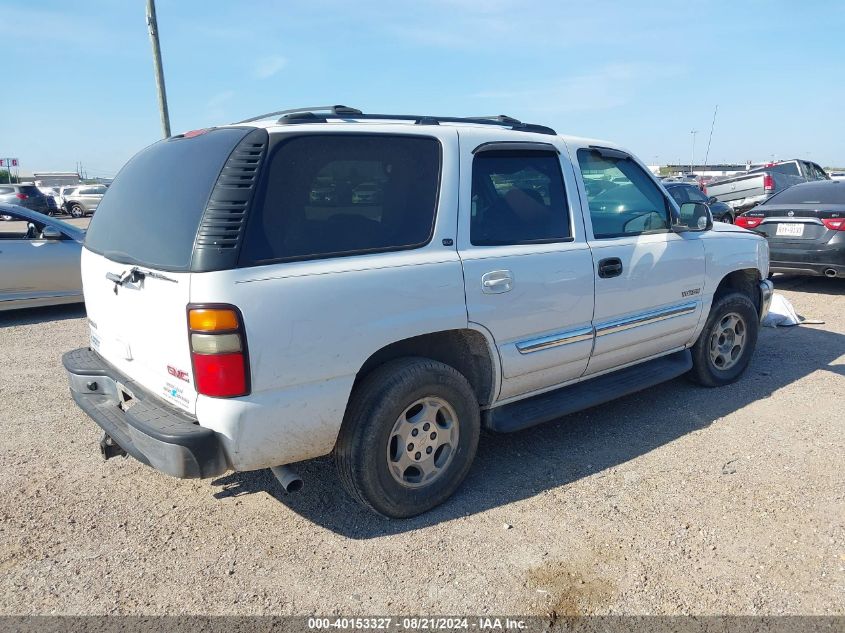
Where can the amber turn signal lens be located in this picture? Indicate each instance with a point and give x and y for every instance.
(212, 320)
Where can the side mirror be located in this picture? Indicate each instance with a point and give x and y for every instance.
(695, 216)
(51, 233)
(712, 200)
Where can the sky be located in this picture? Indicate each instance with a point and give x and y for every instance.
(79, 82)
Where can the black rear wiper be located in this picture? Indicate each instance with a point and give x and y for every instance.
(135, 275)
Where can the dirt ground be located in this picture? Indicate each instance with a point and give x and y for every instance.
(676, 500)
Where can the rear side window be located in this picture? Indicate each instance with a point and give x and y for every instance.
(518, 197)
(150, 214)
(327, 195)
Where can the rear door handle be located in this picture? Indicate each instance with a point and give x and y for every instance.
(610, 267)
(496, 282)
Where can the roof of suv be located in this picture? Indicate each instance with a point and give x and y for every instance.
(329, 116)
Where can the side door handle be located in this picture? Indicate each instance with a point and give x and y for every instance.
(496, 282)
(610, 267)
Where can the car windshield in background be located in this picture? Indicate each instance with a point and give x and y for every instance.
(828, 192)
(150, 214)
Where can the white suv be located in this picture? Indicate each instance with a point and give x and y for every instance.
(256, 309)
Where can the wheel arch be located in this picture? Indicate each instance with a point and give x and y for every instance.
(467, 350)
(746, 281)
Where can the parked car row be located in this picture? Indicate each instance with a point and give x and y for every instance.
(746, 190)
(76, 200)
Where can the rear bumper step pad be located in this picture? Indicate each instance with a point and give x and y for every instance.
(150, 431)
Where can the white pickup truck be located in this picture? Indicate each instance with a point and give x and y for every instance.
(252, 311)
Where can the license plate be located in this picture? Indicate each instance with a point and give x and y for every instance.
(795, 229)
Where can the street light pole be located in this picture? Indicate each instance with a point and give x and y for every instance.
(692, 156)
(152, 26)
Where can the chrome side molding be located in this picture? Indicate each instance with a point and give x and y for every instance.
(555, 340)
(646, 318)
(610, 327)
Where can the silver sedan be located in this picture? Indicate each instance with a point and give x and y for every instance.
(39, 259)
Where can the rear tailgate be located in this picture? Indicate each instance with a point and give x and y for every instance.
(737, 188)
(177, 207)
(794, 224)
(140, 326)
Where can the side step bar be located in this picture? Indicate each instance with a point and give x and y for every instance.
(589, 393)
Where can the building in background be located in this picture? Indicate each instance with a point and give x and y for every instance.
(716, 171)
(56, 178)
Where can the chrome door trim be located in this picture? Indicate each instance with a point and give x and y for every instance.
(646, 318)
(555, 340)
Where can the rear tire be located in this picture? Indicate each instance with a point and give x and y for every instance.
(77, 211)
(725, 346)
(408, 437)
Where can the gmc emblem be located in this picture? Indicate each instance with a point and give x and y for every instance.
(177, 373)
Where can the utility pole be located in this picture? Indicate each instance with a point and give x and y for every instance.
(152, 26)
(712, 125)
(692, 156)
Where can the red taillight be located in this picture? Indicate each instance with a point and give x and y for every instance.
(768, 182)
(21, 196)
(218, 351)
(220, 375)
(834, 224)
(748, 223)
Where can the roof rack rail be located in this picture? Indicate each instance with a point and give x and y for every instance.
(334, 109)
(323, 115)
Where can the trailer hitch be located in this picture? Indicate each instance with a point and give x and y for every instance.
(109, 448)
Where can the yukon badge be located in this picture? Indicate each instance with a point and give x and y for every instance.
(692, 291)
(181, 374)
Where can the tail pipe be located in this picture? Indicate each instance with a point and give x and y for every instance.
(830, 272)
(291, 482)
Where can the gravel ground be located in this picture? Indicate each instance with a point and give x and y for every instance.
(676, 500)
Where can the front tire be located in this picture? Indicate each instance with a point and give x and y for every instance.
(725, 346)
(409, 437)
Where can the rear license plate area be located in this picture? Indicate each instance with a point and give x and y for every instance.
(794, 229)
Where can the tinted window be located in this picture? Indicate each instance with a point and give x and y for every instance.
(828, 192)
(31, 190)
(623, 199)
(150, 214)
(331, 195)
(679, 194)
(518, 197)
(785, 168)
(695, 195)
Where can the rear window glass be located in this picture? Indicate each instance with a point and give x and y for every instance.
(150, 213)
(785, 168)
(31, 190)
(829, 192)
(331, 195)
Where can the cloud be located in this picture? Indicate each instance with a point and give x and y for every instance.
(603, 88)
(268, 66)
(216, 106)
